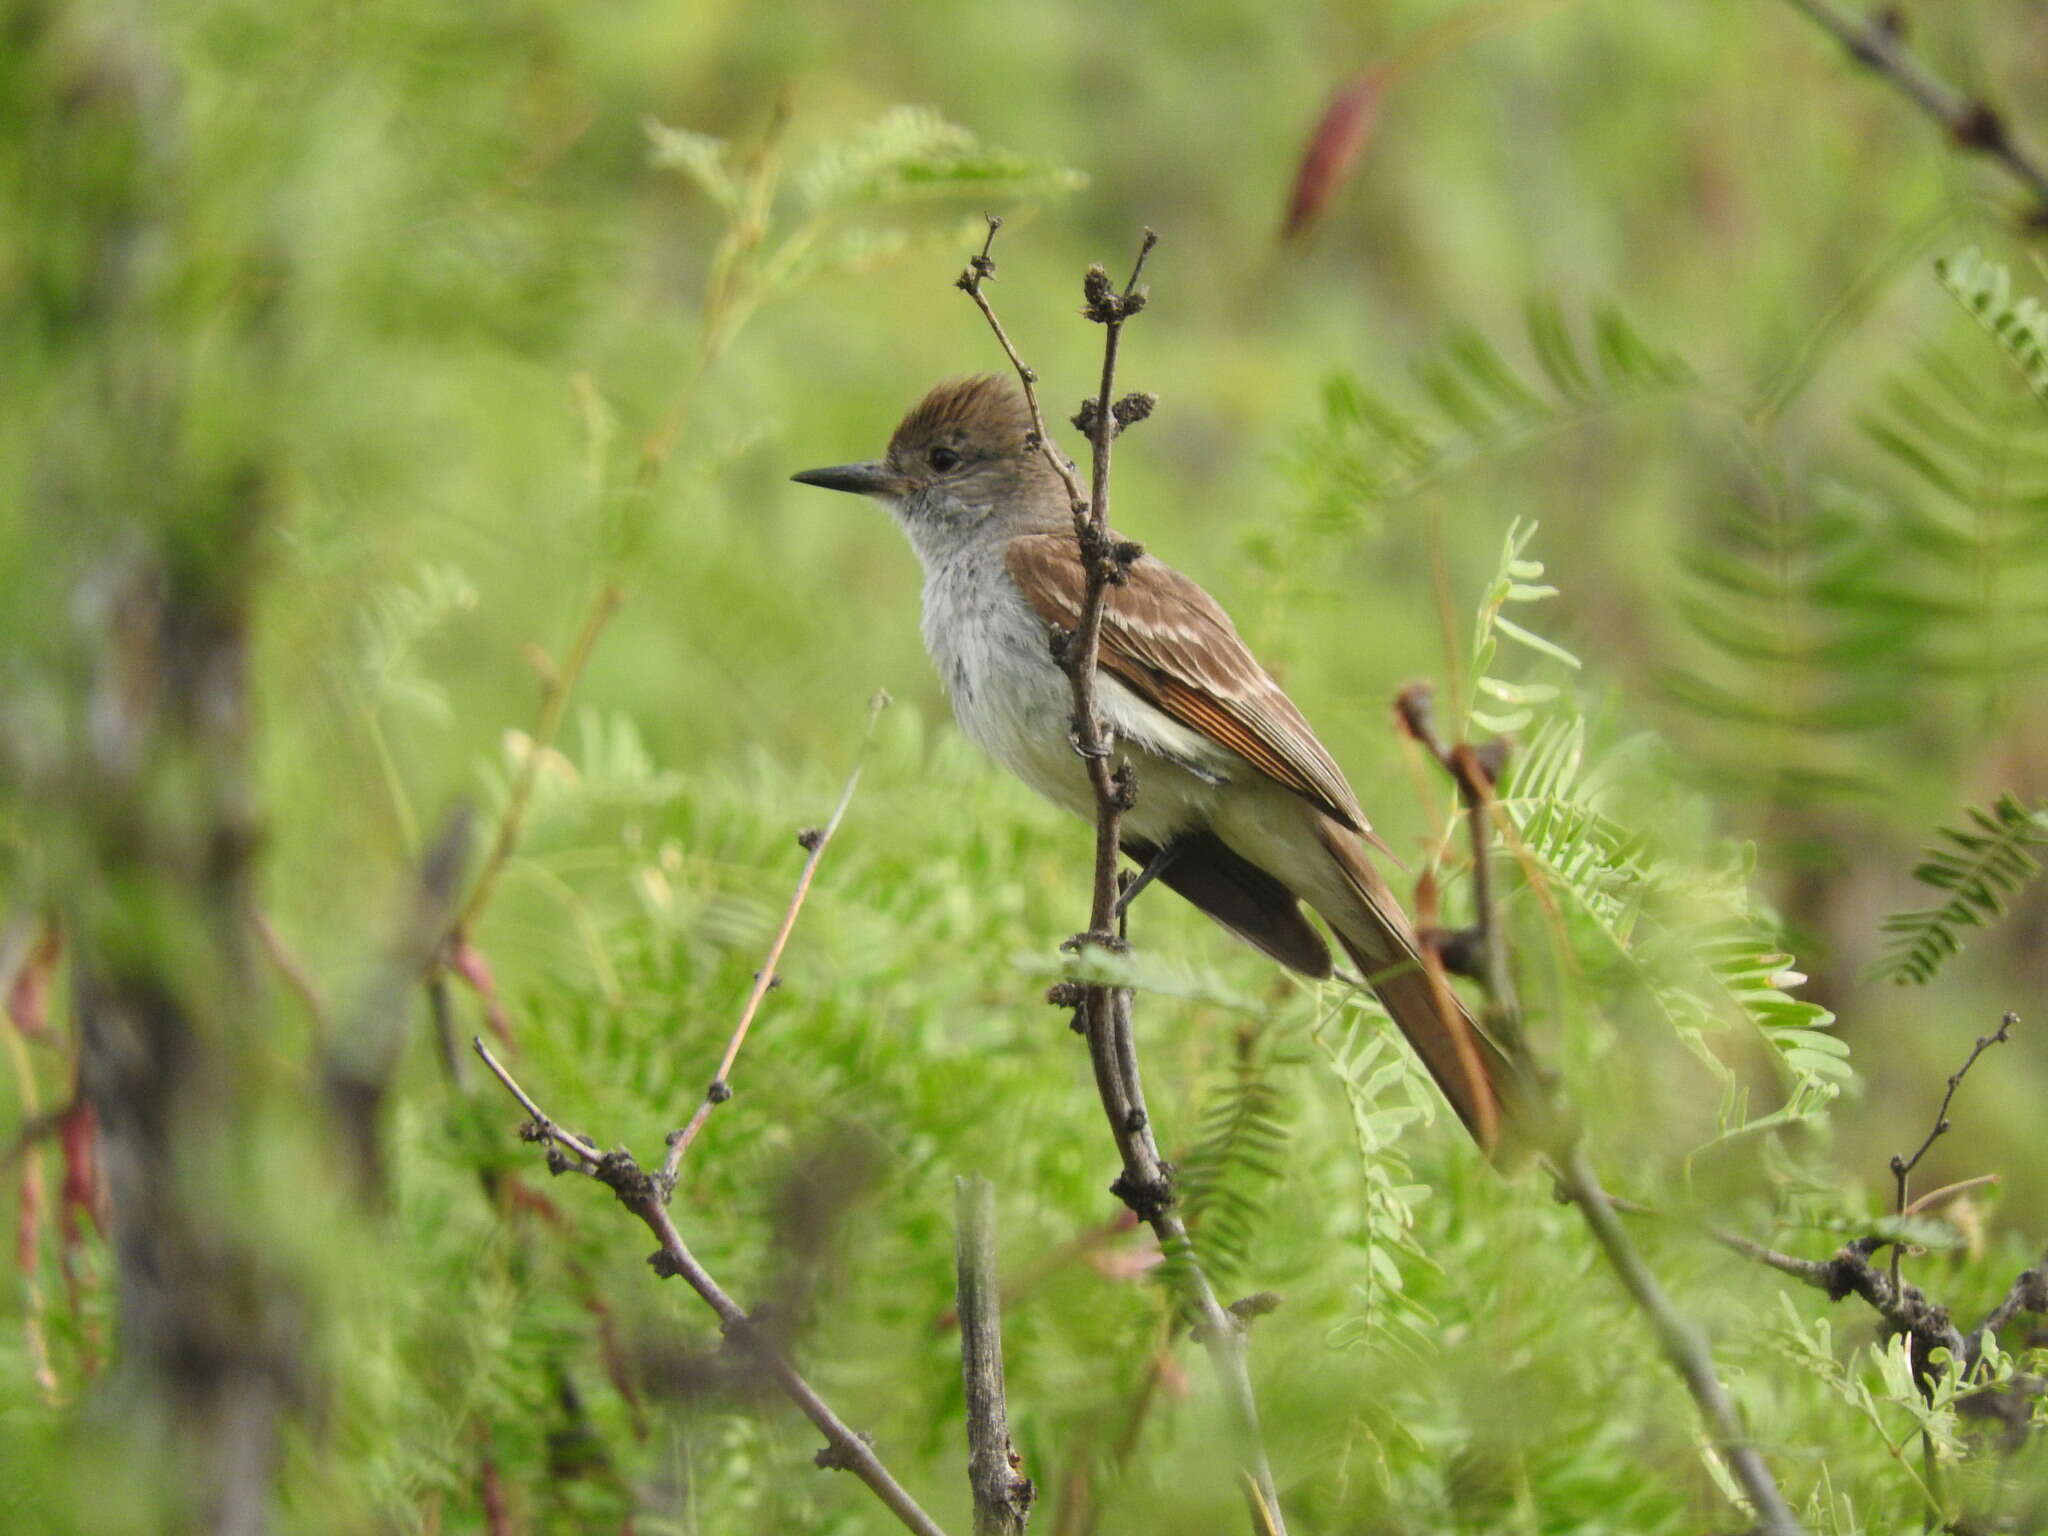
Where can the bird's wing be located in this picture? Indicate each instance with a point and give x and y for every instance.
(1166, 640)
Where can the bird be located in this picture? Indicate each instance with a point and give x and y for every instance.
(1239, 808)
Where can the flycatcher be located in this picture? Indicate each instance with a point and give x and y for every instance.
(1239, 808)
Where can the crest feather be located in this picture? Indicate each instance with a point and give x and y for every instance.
(986, 409)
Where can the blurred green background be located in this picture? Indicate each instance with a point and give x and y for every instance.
(499, 339)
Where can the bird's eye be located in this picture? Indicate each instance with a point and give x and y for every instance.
(944, 459)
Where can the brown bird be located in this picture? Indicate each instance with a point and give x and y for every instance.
(1239, 808)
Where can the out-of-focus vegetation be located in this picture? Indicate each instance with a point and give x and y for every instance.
(434, 333)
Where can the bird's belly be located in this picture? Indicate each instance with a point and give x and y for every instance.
(1012, 700)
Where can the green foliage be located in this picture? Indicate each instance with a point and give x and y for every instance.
(1966, 550)
(909, 156)
(912, 153)
(391, 626)
(1798, 649)
(1239, 1150)
(1981, 867)
(1368, 449)
(1511, 706)
(1385, 1094)
(1680, 928)
(2020, 327)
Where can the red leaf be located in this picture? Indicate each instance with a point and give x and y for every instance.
(27, 1248)
(83, 1192)
(28, 999)
(1126, 1263)
(467, 961)
(1340, 136)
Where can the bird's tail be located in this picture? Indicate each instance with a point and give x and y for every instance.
(1468, 1067)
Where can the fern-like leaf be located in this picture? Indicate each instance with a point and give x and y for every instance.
(1370, 449)
(1385, 1091)
(1518, 579)
(2020, 327)
(392, 625)
(912, 153)
(1980, 867)
(1688, 941)
(1239, 1152)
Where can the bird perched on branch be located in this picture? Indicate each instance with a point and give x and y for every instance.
(1239, 808)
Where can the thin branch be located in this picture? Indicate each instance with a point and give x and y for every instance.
(1971, 123)
(1474, 771)
(1103, 1013)
(813, 839)
(1850, 1273)
(981, 269)
(2029, 1293)
(1683, 1343)
(1002, 1493)
(1902, 1167)
(1935, 1199)
(641, 1193)
(540, 1128)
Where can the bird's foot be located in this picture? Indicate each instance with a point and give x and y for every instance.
(1082, 749)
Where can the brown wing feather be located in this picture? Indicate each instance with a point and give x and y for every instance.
(1168, 641)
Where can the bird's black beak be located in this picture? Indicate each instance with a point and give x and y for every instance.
(871, 479)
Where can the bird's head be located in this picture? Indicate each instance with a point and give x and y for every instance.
(960, 468)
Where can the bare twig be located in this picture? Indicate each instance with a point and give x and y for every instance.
(641, 1193)
(1877, 43)
(814, 840)
(1103, 1013)
(981, 269)
(1474, 771)
(2029, 1293)
(1902, 1167)
(1926, 1325)
(1002, 1493)
(1935, 1199)
(1850, 1273)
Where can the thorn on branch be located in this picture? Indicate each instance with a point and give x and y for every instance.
(1248, 1309)
(1099, 296)
(719, 1091)
(840, 1458)
(982, 267)
(1980, 128)
(1491, 759)
(1149, 1198)
(1133, 408)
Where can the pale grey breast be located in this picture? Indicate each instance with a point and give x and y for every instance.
(994, 656)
